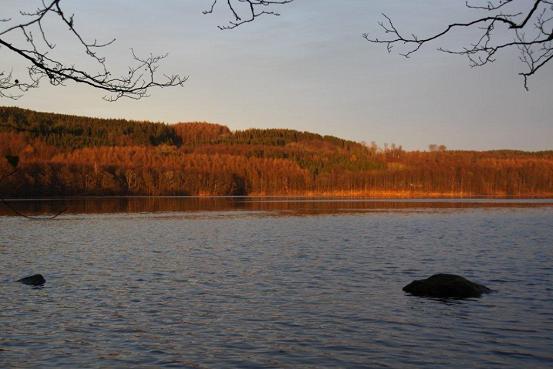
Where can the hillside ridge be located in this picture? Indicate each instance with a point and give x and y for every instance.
(71, 155)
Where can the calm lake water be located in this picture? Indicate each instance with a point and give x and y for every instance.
(275, 283)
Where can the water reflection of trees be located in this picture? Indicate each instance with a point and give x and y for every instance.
(297, 206)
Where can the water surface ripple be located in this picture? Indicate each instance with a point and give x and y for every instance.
(251, 289)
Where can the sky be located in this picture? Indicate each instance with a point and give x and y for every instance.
(309, 70)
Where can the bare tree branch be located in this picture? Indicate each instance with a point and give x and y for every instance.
(532, 35)
(35, 52)
(246, 11)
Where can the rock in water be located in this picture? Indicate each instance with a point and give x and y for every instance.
(446, 285)
(33, 280)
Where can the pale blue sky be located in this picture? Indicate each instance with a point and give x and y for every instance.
(309, 70)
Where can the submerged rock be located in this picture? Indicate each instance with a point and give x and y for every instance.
(33, 280)
(446, 285)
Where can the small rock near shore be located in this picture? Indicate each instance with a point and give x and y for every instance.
(446, 285)
(33, 280)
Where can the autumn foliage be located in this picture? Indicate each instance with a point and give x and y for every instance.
(69, 155)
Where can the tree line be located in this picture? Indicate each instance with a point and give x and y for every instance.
(70, 155)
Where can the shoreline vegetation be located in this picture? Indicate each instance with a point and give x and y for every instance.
(68, 156)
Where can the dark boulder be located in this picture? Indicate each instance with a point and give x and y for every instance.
(446, 285)
(33, 280)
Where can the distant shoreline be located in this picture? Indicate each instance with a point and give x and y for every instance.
(284, 205)
(44, 155)
(309, 196)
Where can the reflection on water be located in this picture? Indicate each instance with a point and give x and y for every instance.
(248, 289)
(101, 205)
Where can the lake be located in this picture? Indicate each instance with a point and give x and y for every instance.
(274, 283)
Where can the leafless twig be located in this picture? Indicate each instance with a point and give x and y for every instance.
(532, 35)
(35, 53)
(246, 11)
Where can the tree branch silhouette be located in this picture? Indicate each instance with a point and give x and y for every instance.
(34, 48)
(531, 33)
(246, 11)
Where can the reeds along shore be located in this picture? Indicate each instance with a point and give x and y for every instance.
(69, 155)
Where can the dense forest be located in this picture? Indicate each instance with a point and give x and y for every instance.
(69, 155)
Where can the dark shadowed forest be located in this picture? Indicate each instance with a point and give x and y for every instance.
(70, 155)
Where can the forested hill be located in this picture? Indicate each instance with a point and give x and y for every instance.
(70, 155)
